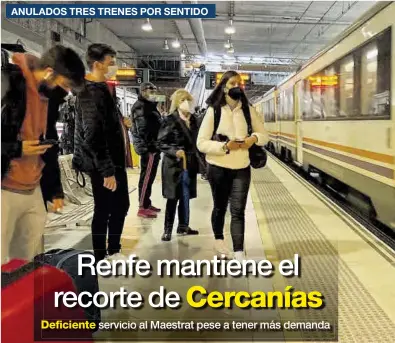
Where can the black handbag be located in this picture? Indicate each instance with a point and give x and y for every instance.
(258, 154)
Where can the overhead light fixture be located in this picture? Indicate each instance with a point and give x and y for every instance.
(182, 54)
(166, 45)
(230, 30)
(147, 25)
(227, 44)
(175, 43)
(231, 49)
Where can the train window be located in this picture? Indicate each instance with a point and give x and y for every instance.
(346, 86)
(290, 102)
(272, 111)
(268, 111)
(375, 77)
(329, 93)
(356, 86)
(368, 78)
(312, 101)
(286, 110)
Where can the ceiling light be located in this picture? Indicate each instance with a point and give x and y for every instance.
(227, 44)
(166, 45)
(146, 26)
(230, 30)
(231, 50)
(175, 43)
(182, 54)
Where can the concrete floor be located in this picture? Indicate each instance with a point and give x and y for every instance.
(283, 217)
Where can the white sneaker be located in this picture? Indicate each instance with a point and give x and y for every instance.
(239, 256)
(117, 257)
(221, 248)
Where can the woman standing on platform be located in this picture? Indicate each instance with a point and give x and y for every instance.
(177, 140)
(223, 137)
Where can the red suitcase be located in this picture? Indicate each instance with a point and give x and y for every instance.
(27, 298)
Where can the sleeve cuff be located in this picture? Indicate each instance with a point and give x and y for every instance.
(260, 138)
(108, 172)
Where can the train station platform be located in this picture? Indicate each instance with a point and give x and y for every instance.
(284, 216)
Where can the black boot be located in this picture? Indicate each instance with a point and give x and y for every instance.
(166, 237)
(182, 230)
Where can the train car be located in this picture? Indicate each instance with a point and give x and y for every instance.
(336, 117)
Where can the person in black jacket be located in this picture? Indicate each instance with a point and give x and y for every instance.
(177, 140)
(32, 90)
(146, 121)
(100, 151)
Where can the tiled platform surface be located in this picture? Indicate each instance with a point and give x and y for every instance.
(283, 218)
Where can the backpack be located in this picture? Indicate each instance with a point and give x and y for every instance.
(13, 89)
(5, 79)
(258, 155)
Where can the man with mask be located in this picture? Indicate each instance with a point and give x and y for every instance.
(32, 89)
(100, 151)
(146, 121)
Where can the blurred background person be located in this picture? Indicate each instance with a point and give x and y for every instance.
(227, 155)
(177, 140)
(146, 121)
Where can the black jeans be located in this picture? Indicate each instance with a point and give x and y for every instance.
(229, 185)
(183, 213)
(109, 215)
(149, 166)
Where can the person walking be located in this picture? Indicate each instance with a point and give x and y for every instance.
(225, 139)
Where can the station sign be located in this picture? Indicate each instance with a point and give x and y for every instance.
(131, 77)
(214, 78)
(323, 81)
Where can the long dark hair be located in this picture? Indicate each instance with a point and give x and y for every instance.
(217, 98)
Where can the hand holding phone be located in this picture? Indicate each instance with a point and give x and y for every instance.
(33, 148)
(48, 142)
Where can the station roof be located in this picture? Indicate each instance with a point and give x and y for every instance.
(281, 32)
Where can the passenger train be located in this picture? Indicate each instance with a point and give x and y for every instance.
(336, 115)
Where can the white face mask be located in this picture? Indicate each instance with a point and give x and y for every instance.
(185, 106)
(112, 71)
(152, 98)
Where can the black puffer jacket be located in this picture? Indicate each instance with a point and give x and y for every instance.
(146, 122)
(174, 135)
(12, 116)
(99, 144)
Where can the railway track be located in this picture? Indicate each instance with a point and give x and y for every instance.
(379, 230)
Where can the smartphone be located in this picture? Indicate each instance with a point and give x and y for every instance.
(238, 140)
(48, 142)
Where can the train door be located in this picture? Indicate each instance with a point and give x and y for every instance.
(298, 98)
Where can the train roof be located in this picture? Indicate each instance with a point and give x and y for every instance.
(362, 20)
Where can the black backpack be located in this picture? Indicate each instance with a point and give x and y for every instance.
(258, 155)
(13, 89)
